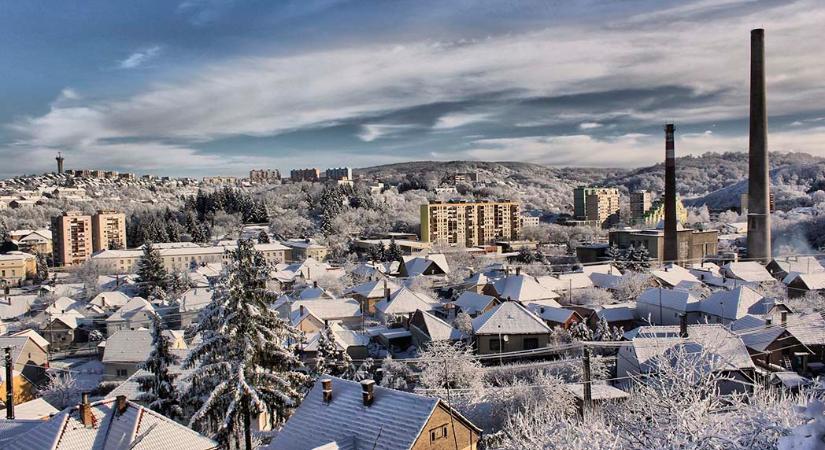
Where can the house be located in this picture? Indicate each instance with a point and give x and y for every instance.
(522, 288)
(310, 316)
(339, 414)
(110, 300)
(801, 283)
(35, 242)
(747, 271)
(672, 275)
(556, 317)
(191, 303)
(509, 327)
(372, 292)
(35, 336)
(660, 306)
(808, 330)
(314, 292)
(24, 390)
(306, 248)
(473, 304)
(606, 280)
(404, 302)
(125, 351)
(62, 330)
(35, 409)
(432, 264)
(770, 345)
(779, 268)
(724, 350)
(353, 342)
(28, 357)
(106, 424)
(576, 280)
(476, 282)
(727, 306)
(136, 313)
(14, 306)
(426, 327)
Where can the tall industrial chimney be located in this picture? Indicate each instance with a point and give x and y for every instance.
(671, 253)
(759, 188)
(59, 159)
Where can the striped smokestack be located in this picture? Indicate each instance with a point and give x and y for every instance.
(759, 188)
(671, 250)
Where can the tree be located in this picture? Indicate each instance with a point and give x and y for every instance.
(446, 365)
(464, 323)
(158, 387)
(42, 273)
(263, 237)
(366, 371)
(152, 276)
(393, 252)
(243, 366)
(330, 358)
(394, 374)
(61, 389)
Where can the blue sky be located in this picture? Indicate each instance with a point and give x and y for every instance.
(198, 87)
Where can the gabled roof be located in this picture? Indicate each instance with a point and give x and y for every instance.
(394, 421)
(606, 280)
(131, 389)
(523, 288)
(553, 314)
(311, 293)
(811, 281)
(129, 346)
(16, 343)
(732, 304)
(673, 274)
(132, 307)
(36, 409)
(327, 309)
(750, 271)
(477, 279)
(509, 318)
(17, 306)
(62, 305)
(576, 280)
(552, 283)
(110, 300)
(799, 264)
(618, 312)
(344, 338)
(417, 265)
(755, 333)
(437, 329)
(651, 341)
(195, 299)
(473, 303)
(374, 289)
(136, 428)
(406, 301)
(34, 335)
(670, 298)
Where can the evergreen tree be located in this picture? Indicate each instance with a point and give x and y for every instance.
(330, 359)
(263, 237)
(42, 273)
(639, 259)
(366, 371)
(152, 276)
(393, 252)
(242, 367)
(158, 387)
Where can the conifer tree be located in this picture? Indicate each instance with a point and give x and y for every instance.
(243, 367)
(393, 252)
(263, 237)
(42, 273)
(331, 359)
(366, 371)
(158, 387)
(152, 275)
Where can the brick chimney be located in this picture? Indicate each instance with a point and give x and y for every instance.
(120, 402)
(367, 393)
(518, 271)
(85, 412)
(327, 385)
(315, 284)
(386, 289)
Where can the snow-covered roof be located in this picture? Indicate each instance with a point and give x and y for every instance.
(393, 421)
(670, 298)
(576, 280)
(590, 269)
(195, 299)
(374, 289)
(673, 274)
(552, 283)
(314, 292)
(17, 306)
(732, 304)
(800, 264)
(132, 307)
(34, 335)
(754, 333)
(136, 428)
(523, 288)
(552, 314)
(36, 409)
(437, 329)
(811, 281)
(618, 312)
(344, 338)
(130, 346)
(790, 380)
(606, 280)
(750, 271)
(110, 300)
(509, 318)
(598, 391)
(472, 303)
(131, 389)
(62, 305)
(406, 301)
(331, 309)
(417, 265)
(477, 279)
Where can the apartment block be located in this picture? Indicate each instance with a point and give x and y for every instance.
(339, 174)
(469, 224)
(72, 238)
(640, 203)
(108, 230)
(313, 174)
(600, 206)
(264, 175)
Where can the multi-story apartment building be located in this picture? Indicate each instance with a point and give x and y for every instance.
(599, 206)
(640, 203)
(264, 175)
(183, 258)
(220, 180)
(339, 174)
(313, 174)
(72, 238)
(656, 214)
(108, 230)
(469, 224)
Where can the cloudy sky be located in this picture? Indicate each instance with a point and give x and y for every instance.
(199, 87)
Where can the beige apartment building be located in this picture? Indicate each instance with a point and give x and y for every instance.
(469, 224)
(640, 204)
(597, 206)
(72, 238)
(108, 230)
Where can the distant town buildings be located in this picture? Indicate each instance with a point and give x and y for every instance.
(656, 213)
(108, 230)
(469, 224)
(16, 266)
(264, 175)
(743, 203)
(73, 238)
(183, 257)
(461, 177)
(640, 204)
(297, 175)
(339, 174)
(597, 206)
(220, 180)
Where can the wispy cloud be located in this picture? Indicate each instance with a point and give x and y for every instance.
(372, 131)
(589, 125)
(459, 120)
(140, 57)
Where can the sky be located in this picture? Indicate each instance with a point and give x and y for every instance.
(219, 87)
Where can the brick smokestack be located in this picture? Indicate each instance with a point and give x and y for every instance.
(759, 188)
(671, 250)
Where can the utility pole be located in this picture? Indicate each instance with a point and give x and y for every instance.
(9, 386)
(586, 386)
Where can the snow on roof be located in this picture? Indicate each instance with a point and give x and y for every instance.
(314, 293)
(111, 300)
(812, 281)
(732, 304)
(131, 346)
(406, 301)
(750, 271)
(437, 329)
(523, 288)
(552, 283)
(606, 280)
(800, 264)
(195, 299)
(16, 306)
(509, 318)
(650, 342)
(790, 380)
(374, 289)
(132, 307)
(598, 391)
(551, 313)
(136, 428)
(34, 335)
(600, 268)
(754, 332)
(328, 309)
(417, 265)
(62, 305)
(477, 279)
(670, 298)
(809, 329)
(16, 343)
(32, 410)
(131, 389)
(619, 312)
(472, 303)
(673, 274)
(579, 280)
(394, 421)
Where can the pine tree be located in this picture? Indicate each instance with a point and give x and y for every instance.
(242, 367)
(158, 387)
(42, 272)
(152, 275)
(263, 237)
(366, 371)
(393, 252)
(330, 359)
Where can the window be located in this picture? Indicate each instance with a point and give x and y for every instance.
(531, 343)
(495, 345)
(121, 372)
(438, 433)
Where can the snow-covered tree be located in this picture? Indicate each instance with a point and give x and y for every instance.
(811, 434)
(591, 296)
(41, 275)
(631, 286)
(263, 237)
(61, 389)
(605, 332)
(243, 366)
(394, 374)
(443, 364)
(366, 371)
(330, 359)
(464, 323)
(393, 252)
(152, 276)
(157, 387)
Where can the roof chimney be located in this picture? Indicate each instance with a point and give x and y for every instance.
(671, 250)
(759, 188)
(327, 385)
(367, 393)
(518, 271)
(85, 411)
(301, 310)
(120, 402)
(386, 289)
(315, 284)
(683, 328)
(783, 316)
(768, 322)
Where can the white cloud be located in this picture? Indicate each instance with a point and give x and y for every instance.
(589, 125)
(372, 131)
(456, 120)
(140, 57)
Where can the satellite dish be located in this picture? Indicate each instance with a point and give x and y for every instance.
(506, 338)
